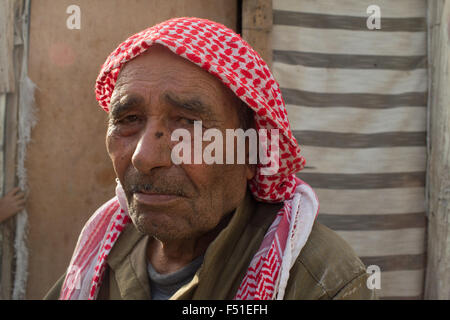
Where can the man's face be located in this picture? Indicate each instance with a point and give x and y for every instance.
(156, 93)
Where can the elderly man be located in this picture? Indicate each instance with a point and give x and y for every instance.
(202, 230)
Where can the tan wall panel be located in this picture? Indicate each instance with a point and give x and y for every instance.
(70, 174)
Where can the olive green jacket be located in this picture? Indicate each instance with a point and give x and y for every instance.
(327, 268)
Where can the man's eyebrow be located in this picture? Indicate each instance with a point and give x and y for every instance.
(124, 104)
(193, 105)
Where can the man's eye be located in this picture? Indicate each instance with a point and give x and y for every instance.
(186, 121)
(132, 118)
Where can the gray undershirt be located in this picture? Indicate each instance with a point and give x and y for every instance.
(163, 286)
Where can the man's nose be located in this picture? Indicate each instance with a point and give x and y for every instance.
(152, 150)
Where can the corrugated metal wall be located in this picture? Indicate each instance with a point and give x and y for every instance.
(357, 100)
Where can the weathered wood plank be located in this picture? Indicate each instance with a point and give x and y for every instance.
(7, 81)
(257, 26)
(437, 285)
(2, 153)
(8, 227)
(2, 141)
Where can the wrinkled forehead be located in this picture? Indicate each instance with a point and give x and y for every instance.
(159, 69)
(160, 65)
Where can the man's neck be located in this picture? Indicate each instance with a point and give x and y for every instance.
(171, 255)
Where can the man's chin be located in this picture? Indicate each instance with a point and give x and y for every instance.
(158, 224)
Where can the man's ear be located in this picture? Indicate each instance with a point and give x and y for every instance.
(250, 171)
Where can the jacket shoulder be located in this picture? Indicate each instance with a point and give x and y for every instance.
(327, 268)
(54, 292)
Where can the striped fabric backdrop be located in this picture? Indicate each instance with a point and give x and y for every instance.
(357, 102)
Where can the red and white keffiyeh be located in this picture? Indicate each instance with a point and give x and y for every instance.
(221, 52)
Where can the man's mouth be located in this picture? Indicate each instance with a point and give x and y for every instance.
(152, 198)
